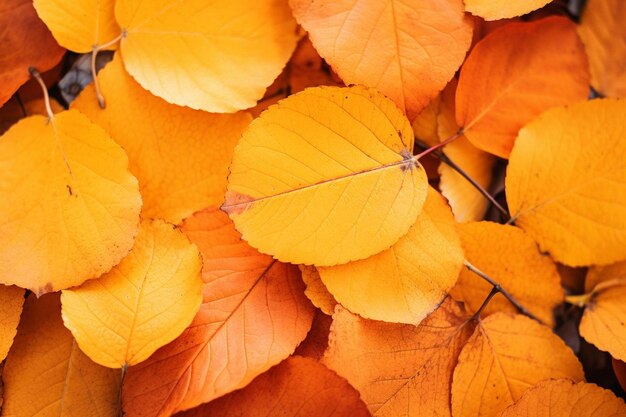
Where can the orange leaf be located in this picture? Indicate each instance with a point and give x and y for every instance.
(316, 341)
(253, 315)
(400, 369)
(12, 111)
(46, 374)
(505, 356)
(406, 49)
(24, 42)
(501, 9)
(316, 291)
(564, 398)
(298, 387)
(511, 258)
(507, 81)
(11, 301)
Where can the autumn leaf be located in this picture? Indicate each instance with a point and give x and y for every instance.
(566, 182)
(603, 32)
(12, 112)
(80, 25)
(564, 398)
(180, 156)
(143, 303)
(406, 49)
(336, 163)
(516, 73)
(306, 68)
(400, 369)
(316, 340)
(408, 281)
(511, 258)
(254, 314)
(619, 368)
(46, 374)
(92, 202)
(316, 291)
(505, 356)
(24, 42)
(502, 9)
(11, 301)
(218, 58)
(298, 387)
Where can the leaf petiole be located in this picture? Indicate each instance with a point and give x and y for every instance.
(94, 75)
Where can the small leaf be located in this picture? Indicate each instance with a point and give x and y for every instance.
(46, 374)
(70, 209)
(143, 303)
(504, 357)
(316, 291)
(297, 387)
(502, 9)
(564, 398)
(11, 301)
(336, 165)
(406, 282)
(566, 182)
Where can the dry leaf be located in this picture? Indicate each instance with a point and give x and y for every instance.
(143, 303)
(316, 341)
(516, 73)
(336, 164)
(180, 156)
(254, 314)
(504, 357)
(90, 212)
(408, 281)
(316, 291)
(502, 9)
(407, 49)
(566, 182)
(11, 301)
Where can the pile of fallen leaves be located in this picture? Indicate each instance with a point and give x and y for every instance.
(313, 208)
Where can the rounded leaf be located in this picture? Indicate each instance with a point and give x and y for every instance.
(218, 56)
(502, 9)
(325, 177)
(566, 182)
(143, 303)
(11, 301)
(406, 282)
(70, 206)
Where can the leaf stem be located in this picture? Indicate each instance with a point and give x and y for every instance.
(491, 294)
(94, 75)
(37, 76)
(439, 145)
(498, 288)
(119, 393)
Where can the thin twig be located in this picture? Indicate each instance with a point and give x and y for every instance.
(501, 290)
(94, 75)
(37, 76)
(119, 393)
(439, 145)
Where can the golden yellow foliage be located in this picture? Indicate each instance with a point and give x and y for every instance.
(316, 291)
(502, 9)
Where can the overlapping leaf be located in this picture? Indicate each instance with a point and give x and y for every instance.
(502, 9)
(316, 291)
(11, 301)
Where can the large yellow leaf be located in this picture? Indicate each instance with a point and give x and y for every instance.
(297, 387)
(510, 257)
(502, 9)
(253, 315)
(566, 182)
(218, 56)
(79, 25)
(11, 301)
(180, 156)
(400, 369)
(406, 282)
(69, 206)
(142, 304)
(407, 49)
(603, 32)
(602, 323)
(326, 176)
(516, 73)
(564, 398)
(504, 357)
(47, 375)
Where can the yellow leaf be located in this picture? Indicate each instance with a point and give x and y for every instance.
(325, 177)
(603, 322)
(79, 25)
(180, 156)
(564, 398)
(408, 281)
(47, 375)
(566, 182)
(400, 369)
(218, 56)
(426, 123)
(142, 304)
(70, 207)
(11, 301)
(407, 49)
(502, 9)
(603, 32)
(504, 357)
(510, 257)
(316, 291)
